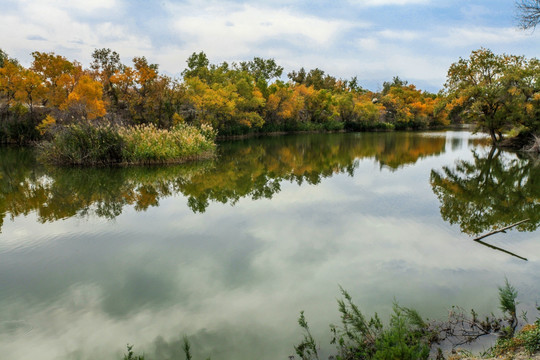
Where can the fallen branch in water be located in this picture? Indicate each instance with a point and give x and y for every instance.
(500, 249)
(500, 230)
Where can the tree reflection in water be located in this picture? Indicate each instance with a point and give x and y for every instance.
(495, 190)
(253, 168)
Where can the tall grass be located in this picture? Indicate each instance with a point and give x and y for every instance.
(89, 144)
(148, 144)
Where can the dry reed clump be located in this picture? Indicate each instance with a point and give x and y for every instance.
(146, 143)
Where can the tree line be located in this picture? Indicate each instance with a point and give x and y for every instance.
(497, 92)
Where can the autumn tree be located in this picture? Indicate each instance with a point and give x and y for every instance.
(396, 82)
(3, 57)
(408, 107)
(283, 106)
(67, 87)
(30, 89)
(105, 64)
(10, 75)
(143, 94)
(494, 91)
(20, 90)
(58, 74)
(86, 99)
(360, 111)
(235, 104)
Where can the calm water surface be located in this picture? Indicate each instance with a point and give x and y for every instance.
(229, 251)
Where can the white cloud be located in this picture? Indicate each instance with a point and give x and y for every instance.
(77, 5)
(402, 35)
(480, 36)
(236, 31)
(52, 26)
(368, 44)
(389, 2)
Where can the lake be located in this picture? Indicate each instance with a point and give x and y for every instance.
(229, 251)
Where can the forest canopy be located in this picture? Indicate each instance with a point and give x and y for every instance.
(497, 92)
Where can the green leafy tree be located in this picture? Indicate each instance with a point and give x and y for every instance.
(261, 69)
(104, 65)
(197, 66)
(3, 57)
(494, 91)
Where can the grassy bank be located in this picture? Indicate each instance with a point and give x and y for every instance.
(97, 144)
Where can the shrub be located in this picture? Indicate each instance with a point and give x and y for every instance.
(531, 337)
(406, 336)
(83, 144)
(89, 144)
(528, 338)
(18, 128)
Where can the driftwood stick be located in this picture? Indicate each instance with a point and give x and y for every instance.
(500, 230)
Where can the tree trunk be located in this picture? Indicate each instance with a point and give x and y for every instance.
(493, 136)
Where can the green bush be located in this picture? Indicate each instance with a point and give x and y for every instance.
(83, 144)
(333, 125)
(531, 338)
(406, 336)
(368, 126)
(18, 128)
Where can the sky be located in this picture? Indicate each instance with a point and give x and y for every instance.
(374, 40)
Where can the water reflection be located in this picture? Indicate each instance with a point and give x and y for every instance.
(494, 190)
(252, 168)
(235, 278)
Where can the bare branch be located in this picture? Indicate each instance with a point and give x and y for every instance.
(529, 13)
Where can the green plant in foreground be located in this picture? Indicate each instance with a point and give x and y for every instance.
(408, 337)
(307, 349)
(527, 338)
(507, 299)
(130, 355)
(186, 348)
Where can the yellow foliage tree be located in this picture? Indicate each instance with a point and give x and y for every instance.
(58, 74)
(86, 98)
